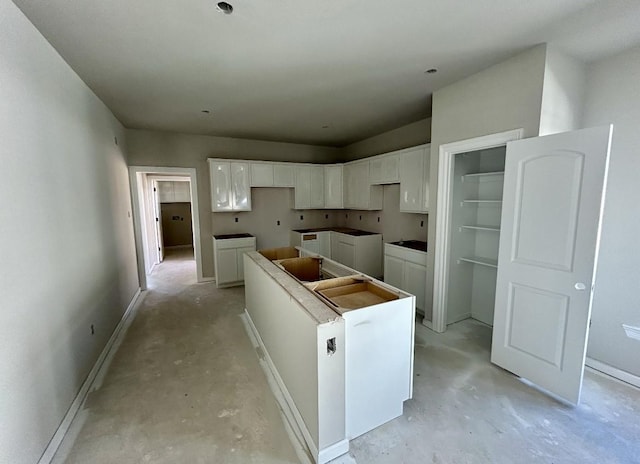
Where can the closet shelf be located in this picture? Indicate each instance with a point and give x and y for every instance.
(483, 174)
(482, 201)
(481, 261)
(479, 227)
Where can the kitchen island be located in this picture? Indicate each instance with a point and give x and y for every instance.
(340, 349)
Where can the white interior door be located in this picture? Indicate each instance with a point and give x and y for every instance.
(158, 219)
(552, 203)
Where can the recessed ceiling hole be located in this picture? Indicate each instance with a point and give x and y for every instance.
(431, 71)
(325, 127)
(225, 7)
(206, 111)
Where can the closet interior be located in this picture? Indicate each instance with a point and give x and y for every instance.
(475, 233)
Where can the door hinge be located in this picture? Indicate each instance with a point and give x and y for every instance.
(154, 189)
(158, 248)
(157, 220)
(590, 321)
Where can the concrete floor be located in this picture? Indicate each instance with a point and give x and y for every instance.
(186, 386)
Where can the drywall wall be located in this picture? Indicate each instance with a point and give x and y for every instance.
(176, 224)
(410, 135)
(270, 206)
(613, 97)
(505, 96)
(68, 255)
(563, 93)
(165, 149)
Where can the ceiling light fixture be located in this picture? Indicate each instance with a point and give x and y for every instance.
(431, 71)
(325, 127)
(206, 111)
(225, 7)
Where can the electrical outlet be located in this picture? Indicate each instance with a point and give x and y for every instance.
(378, 218)
(93, 330)
(326, 216)
(361, 217)
(301, 217)
(236, 219)
(421, 223)
(277, 222)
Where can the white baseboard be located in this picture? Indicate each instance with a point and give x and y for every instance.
(206, 279)
(427, 323)
(178, 247)
(78, 401)
(331, 452)
(613, 372)
(289, 409)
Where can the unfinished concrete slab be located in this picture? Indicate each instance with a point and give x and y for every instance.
(186, 386)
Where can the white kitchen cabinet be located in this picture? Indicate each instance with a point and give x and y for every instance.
(318, 242)
(360, 252)
(358, 191)
(384, 169)
(414, 179)
(230, 186)
(228, 252)
(262, 175)
(283, 175)
(309, 190)
(333, 187)
(406, 269)
(268, 174)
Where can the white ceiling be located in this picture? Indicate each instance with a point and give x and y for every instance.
(283, 69)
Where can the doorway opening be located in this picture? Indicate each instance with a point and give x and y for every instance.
(167, 223)
(470, 181)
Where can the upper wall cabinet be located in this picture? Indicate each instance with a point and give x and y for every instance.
(309, 190)
(230, 185)
(333, 198)
(358, 191)
(267, 174)
(414, 179)
(384, 169)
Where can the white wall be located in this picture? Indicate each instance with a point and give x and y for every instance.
(503, 97)
(68, 257)
(410, 135)
(563, 93)
(613, 96)
(165, 149)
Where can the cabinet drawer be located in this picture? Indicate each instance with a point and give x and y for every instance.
(417, 257)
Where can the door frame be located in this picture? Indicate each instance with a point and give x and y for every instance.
(158, 171)
(443, 218)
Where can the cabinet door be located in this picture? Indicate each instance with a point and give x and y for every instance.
(335, 240)
(261, 175)
(333, 187)
(411, 172)
(394, 271)
(415, 281)
(227, 266)
(425, 179)
(359, 186)
(240, 260)
(302, 193)
(240, 187)
(324, 247)
(384, 169)
(316, 197)
(220, 175)
(348, 187)
(181, 192)
(347, 254)
(283, 175)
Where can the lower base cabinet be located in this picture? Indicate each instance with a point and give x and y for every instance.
(228, 253)
(406, 269)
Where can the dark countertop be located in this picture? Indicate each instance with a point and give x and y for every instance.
(413, 244)
(342, 230)
(230, 236)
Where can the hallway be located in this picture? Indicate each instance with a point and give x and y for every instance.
(185, 386)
